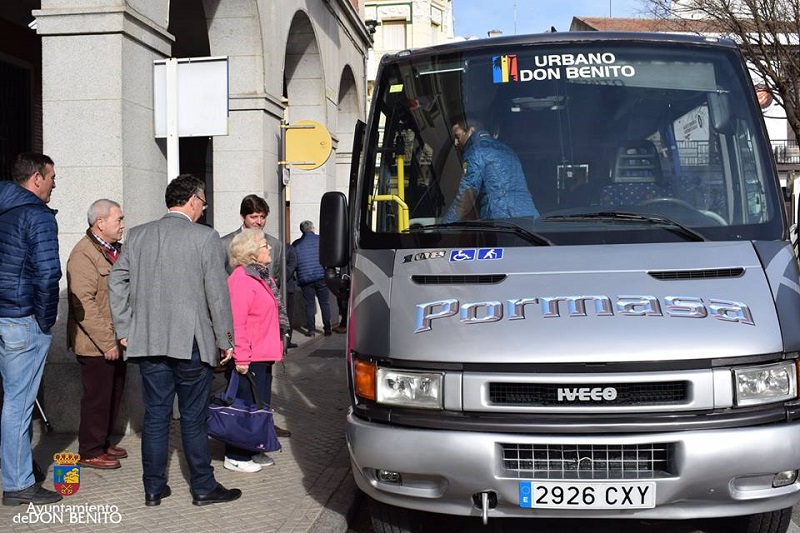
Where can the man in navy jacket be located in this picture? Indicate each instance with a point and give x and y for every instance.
(311, 278)
(29, 273)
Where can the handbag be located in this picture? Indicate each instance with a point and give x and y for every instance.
(242, 423)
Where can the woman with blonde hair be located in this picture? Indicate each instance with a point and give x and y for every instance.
(257, 319)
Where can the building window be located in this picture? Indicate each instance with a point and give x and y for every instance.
(16, 117)
(394, 34)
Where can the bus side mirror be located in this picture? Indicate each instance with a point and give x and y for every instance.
(719, 107)
(334, 230)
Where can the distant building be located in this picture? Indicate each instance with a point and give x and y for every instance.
(639, 24)
(405, 25)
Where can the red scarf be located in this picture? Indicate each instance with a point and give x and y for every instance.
(111, 251)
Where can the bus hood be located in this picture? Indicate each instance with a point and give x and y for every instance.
(642, 302)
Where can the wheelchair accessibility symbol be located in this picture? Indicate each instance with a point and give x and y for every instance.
(457, 256)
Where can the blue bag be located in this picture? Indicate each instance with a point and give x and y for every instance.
(242, 423)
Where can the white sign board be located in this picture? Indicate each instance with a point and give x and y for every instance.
(693, 126)
(202, 95)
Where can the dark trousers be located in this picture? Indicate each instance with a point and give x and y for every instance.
(321, 291)
(262, 375)
(341, 303)
(190, 379)
(290, 311)
(103, 384)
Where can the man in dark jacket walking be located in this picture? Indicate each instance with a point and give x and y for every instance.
(29, 273)
(311, 278)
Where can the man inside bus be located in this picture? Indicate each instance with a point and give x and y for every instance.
(493, 185)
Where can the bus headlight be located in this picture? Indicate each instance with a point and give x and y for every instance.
(765, 384)
(409, 389)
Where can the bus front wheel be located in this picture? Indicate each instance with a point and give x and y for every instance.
(390, 519)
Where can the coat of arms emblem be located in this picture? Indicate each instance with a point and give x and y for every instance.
(67, 473)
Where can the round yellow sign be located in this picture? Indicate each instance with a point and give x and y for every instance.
(308, 144)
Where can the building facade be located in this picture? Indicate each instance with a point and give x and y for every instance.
(76, 82)
(400, 25)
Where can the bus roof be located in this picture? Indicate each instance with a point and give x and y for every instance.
(557, 37)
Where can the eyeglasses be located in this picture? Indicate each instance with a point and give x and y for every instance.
(205, 204)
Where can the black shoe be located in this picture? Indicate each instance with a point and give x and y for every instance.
(327, 333)
(291, 345)
(151, 500)
(279, 431)
(38, 475)
(34, 494)
(218, 495)
(309, 333)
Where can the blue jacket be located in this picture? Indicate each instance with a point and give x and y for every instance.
(29, 264)
(493, 171)
(309, 268)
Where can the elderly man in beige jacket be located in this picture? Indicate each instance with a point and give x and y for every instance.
(90, 334)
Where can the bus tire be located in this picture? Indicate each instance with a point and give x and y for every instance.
(390, 519)
(772, 522)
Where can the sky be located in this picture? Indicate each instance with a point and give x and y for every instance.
(477, 17)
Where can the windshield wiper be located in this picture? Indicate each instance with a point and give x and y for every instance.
(668, 223)
(496, 226)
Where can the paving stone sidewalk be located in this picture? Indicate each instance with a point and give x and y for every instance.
(309, 488)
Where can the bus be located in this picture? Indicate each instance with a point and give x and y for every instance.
(571, 288)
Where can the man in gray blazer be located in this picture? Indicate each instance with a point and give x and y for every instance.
(171, 309)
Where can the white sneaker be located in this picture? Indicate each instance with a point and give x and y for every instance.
(263, 459)
(241, 466)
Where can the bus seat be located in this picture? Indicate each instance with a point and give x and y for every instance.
(635, 175)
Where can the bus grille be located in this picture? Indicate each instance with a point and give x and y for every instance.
(588, 461)
(627, 394)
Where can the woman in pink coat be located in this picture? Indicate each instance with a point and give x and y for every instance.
(256, 330)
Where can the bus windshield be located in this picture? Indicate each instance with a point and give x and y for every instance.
(574, 143)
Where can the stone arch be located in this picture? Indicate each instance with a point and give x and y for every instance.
(304, 80)
(304, 91)
(242, 159)
(348, 112)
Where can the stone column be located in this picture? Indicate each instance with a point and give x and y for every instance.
(246, 161)
(97, 65)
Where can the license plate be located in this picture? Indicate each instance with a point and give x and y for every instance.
(598, 495)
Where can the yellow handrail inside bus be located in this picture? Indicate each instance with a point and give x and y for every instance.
(399, 198)
(401, 176)
(403, 223)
